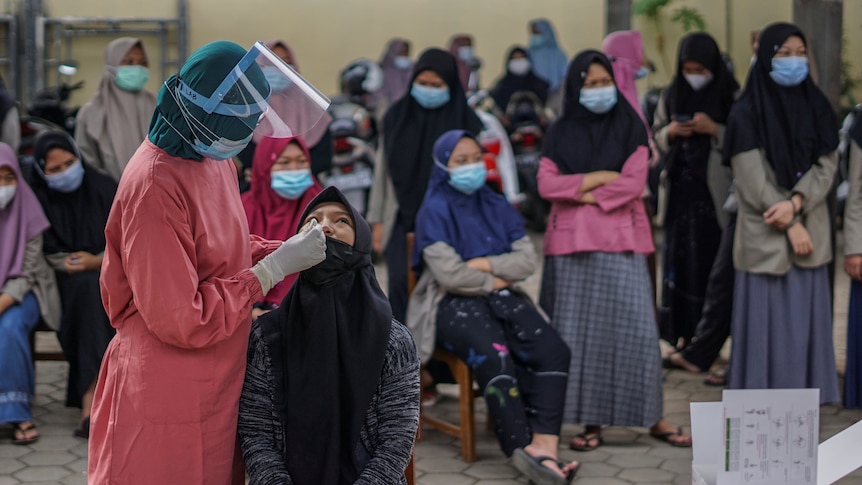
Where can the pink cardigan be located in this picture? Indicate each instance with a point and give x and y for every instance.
(617, 224)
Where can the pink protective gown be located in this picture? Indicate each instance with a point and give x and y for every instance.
(177, 287)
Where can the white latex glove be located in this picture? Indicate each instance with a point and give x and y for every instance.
(298, 253)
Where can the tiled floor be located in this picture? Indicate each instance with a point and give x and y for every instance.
(628, 456)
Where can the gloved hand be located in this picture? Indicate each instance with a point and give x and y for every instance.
(298, 253)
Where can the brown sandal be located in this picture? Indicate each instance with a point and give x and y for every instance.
(21, 431)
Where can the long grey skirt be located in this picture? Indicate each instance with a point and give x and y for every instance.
(601, 304)
(782, 333)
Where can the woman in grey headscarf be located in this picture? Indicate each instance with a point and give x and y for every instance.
(111, 126)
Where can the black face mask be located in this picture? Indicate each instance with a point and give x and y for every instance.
(337, 264)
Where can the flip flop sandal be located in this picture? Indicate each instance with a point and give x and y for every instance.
(587, 438)
(666, 438)
(532, 467)
(83, 431)
(717, 378)
(23, 429)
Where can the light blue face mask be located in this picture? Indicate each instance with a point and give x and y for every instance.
(468, 178)
(599, 100)
(220, 149)
(132, 78)
(291, 184)
(68, 180)
(276, 79)
(465, 53)
(642, 72)
(789, 71)
(536, 40)
(402, 62)
(428, 97)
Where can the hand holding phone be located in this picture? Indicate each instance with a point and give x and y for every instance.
(682, 118)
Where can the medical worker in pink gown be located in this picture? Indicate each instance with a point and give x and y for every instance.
(179, 278)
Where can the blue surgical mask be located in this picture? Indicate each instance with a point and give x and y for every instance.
(291, 184)
(276, 79)
(429, 97)
(642, 72)
(68, 180)
(599, 100)
(221, 149)
(468, 178)
(536, 40)
(132, 78)
(402, 62)
(789, 71)
(465, 53)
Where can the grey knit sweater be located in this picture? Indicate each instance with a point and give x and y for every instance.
(386, 438)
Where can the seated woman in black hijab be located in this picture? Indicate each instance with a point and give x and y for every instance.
(331, 392)
(76, 199)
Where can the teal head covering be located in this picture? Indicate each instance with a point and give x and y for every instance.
(202, 72)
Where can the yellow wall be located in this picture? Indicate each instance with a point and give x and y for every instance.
(326, 34)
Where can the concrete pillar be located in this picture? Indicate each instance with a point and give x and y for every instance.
(821, 20)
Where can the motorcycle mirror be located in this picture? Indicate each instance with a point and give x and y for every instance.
(68, 68)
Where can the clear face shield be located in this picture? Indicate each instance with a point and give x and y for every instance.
(262, 93)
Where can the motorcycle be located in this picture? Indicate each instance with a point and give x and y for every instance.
(527, 130)
(50, 110)
(499, 157)
(352, 169)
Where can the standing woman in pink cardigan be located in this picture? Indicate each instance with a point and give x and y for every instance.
(596, 286)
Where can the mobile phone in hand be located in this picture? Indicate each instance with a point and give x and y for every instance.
(682, 118)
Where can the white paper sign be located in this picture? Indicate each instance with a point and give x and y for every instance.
(770, 437)
(840, 455)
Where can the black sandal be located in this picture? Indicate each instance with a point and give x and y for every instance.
(717, 378)
(587, 438)
(536, 472)
(23, 429)
(83, 431)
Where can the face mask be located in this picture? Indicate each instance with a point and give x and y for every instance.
(698, 81)
(402, 62)
(520, 66)
(68, 180)
(642, 72)
(599, 100)
(221, 149)
(428, 97)
(789, 71)
(7, 193)
(536, 40)
(468, 178)
(132, 78)
(465, 53)
(291, 184)
(753, 60)
(336, 264)
(276, 79)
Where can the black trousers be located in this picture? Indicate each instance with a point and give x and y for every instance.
(520, 363)
(714, 325)
(396, 271)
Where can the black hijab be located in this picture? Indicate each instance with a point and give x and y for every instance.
(795, 125)
(715, 99)
(77, 218)
(328, 343)
(582, 141)
(409, 133)
(510, 83)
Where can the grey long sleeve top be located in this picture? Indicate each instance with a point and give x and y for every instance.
(387, 435)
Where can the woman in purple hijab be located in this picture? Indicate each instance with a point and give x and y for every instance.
(28, 292)
(397, 69)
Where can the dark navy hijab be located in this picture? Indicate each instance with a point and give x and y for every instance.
(475, 225)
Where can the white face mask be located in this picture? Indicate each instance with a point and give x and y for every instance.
(7, 193)
(519, 66)
(698, 81)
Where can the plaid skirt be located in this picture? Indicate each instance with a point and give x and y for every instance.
(601, 305)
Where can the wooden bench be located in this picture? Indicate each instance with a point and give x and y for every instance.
(35, 353)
